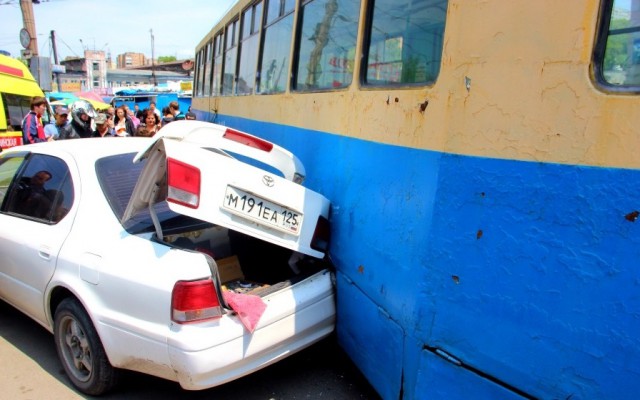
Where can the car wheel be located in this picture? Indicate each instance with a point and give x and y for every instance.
(80, 350)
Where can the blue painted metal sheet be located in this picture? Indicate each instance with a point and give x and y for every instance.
(527, 271)
(382, 367)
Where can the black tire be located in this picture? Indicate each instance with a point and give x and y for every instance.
(80, 351)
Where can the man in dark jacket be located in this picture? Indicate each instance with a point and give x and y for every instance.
(81, 122)
(61, 129)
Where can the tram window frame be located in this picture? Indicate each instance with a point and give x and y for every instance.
(249, 48)
(230, 58)
(218, 57)
(275, 45)
(345, 62)
(437, 30)
(610, 64)
(199, 74)
(208, 68)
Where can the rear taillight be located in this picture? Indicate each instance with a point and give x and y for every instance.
(184, 183)
(194, 301)
(320, 240)
(247, 140)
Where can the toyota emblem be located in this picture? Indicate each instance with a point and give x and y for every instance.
(267, 180)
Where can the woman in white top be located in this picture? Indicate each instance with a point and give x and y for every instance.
(123, 125)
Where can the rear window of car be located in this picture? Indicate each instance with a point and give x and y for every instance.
(118, 176)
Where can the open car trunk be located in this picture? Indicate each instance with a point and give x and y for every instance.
(240, 200)
(247, 265)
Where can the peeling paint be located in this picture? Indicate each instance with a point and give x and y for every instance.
(632, 216)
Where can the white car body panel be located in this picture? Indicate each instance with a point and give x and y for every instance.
(124, 281)
(205, 134)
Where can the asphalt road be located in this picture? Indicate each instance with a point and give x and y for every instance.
(29, 369)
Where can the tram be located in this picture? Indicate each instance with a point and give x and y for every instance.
(483, 162)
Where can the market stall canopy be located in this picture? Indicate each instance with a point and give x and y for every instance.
(60, 98)
(98, 105)
(89, 96)
(96, 101)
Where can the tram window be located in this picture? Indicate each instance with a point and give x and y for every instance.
(230, 58)
(619, 45)
(208, 56)
(326, 50)
(404, 41)
(274, 61)
(198, 74)
(278, 8)
(217, 65)
(251, 19)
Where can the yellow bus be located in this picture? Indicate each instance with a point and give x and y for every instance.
(483, 162)
(17, 87)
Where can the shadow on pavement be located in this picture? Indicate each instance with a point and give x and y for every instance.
(323, 371)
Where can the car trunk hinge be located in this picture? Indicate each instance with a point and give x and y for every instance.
(152, 212)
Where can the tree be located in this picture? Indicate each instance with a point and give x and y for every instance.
(166, 59)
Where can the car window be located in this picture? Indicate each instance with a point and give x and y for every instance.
(9, 166)
(117, 176)
(43, 190)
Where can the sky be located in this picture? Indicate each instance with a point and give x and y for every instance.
(115, 26)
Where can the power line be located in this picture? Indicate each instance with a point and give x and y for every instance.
(68, 47)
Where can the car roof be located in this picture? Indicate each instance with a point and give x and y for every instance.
(89, 149)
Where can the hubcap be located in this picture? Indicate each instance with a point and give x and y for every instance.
(75, 349)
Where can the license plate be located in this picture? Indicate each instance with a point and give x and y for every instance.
(262, 211)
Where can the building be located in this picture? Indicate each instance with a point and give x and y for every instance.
(91, 73)
(128, 60)
(84, 74)
(134, 77)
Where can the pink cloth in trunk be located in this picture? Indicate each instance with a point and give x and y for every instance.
(248, 307)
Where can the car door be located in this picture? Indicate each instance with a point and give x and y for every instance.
(189, 165)
(33, 225)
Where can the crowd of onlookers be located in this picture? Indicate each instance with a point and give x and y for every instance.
(81, 121)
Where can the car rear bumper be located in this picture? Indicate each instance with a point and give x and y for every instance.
(207, 356)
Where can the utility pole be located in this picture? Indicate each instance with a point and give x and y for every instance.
(153, 66)
(55, 58)
(30, 25)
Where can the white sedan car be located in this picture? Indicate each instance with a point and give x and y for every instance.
(195, 256)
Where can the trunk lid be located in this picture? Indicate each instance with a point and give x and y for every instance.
(191, 165)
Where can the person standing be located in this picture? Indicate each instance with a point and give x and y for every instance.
(111, 111)
(61, 129)
(150, 124)
(102, 127)
(167, 116)
(111, 115)
(152, 107)
(134, 118)
(32, 128)
(138, 112)
(81, 121)
(174, 106)
(123, 124)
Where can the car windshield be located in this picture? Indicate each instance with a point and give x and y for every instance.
(118, 176)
